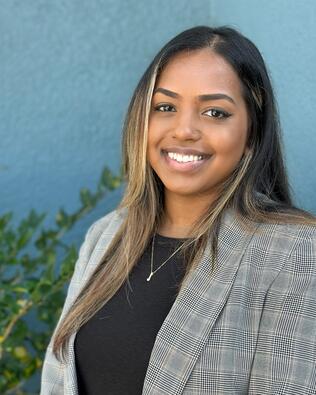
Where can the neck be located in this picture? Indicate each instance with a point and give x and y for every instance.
(180, 214)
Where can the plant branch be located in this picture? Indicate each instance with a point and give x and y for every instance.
(24, 309)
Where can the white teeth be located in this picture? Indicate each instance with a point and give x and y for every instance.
(184, 158)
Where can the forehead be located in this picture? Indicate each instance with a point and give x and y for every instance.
(201, 71)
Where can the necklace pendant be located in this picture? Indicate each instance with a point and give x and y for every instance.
(150, 276)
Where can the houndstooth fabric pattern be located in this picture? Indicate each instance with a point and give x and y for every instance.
(247, 327)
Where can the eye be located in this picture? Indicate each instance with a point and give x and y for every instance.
(164, 108)
(215, 113)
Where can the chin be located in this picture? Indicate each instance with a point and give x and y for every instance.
(182, 190)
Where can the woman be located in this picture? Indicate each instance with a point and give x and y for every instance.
(203, 281)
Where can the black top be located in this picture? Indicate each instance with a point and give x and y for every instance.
(112, 349)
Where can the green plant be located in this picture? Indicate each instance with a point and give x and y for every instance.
(35, 266)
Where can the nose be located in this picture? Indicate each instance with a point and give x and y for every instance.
(186, 127)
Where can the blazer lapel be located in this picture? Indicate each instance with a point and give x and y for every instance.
(71, 385)
(185, 330)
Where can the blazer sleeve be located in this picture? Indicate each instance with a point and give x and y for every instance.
(284, 362)
(52, 381)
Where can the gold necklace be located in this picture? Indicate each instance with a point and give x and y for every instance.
(152, 272)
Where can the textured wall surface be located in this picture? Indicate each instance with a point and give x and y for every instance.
(67, 72)
(68, 69)
(284, 31)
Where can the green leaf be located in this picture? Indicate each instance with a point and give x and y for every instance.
(46, 237)
(24, 238)
(36, 264)
(39, 292)
(67, 265)
(62, 219)
(108, 180)
(86, 197)
(5, 219)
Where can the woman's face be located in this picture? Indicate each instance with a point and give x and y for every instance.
(198, 124)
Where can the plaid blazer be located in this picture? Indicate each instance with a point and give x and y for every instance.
(248, 327)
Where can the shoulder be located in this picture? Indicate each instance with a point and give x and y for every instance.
(272, 246)
(284, 236)
(96, 241)
(109, 225)
(277, 236)
(285, 248)
(110, 220)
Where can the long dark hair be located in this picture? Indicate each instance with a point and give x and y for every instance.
(257, 189)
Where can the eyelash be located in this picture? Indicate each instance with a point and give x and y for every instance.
(163, 105)
(222, 114)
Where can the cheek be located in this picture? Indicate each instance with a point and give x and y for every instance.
(232, 141)
(152, 142)
(155, 135)
(231, 148)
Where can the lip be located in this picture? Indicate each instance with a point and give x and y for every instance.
(184, 167)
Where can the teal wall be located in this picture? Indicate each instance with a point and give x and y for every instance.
(68, 69)
(67, 72)
(284, 31)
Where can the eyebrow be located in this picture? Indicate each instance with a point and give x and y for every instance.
(205, 97)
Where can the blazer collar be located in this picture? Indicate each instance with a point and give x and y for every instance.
(185, 330)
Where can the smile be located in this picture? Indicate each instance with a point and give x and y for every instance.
(184, 162)
(184, 158)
